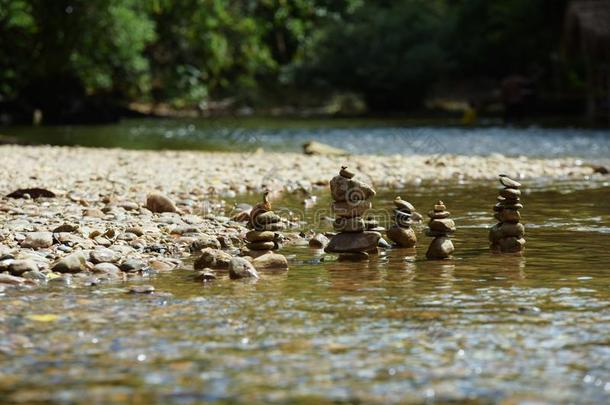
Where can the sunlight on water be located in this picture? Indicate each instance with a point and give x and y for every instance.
(395, 329)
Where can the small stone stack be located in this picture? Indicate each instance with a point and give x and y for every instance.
(265, 224)
(507, 235)
(351, 199)
(440, 227)
(401, 232)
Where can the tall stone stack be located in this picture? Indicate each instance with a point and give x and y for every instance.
(440, 227)
(351, 199)
(401, 232)
(266, 225)
(507, 235)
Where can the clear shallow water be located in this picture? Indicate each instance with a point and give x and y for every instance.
(479, 328)
(357, 136)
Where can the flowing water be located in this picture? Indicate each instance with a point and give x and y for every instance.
(480, 328)
(357, 136)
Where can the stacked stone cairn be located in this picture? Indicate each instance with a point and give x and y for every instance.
(266, 225)
(440, 228)
(401, 232)
(351, 199)
(507, 235)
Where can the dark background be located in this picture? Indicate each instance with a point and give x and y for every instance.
(91, 61)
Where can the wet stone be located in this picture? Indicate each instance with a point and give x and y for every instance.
(141, 289)
(205, 275)
(446, 225)
(270, 261)
(403, 237)
(261, 245)
(203, 242)
(107, 269)
(241, 268)
(403, 205)
(353, 242)
(440, 248)
(260, 236)
(349, 225)
(351, 209)
(510, 193)
(213, 258)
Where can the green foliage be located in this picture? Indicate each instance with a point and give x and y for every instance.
(190, 51)
(389, 51)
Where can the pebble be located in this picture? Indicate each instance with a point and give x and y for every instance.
(107, 269)
(38, 240)
(132, 265)
(343, 189)
(213, 258)
(203, 242)
(319, 241)
(73, 263)
(512, 229)
(205, 275)
(403, 205)
(241, 268)
(270, 261)
(510, 193)
(141, 289)
(159, 203)
(18, 267)
(10, 280)
(103, 255)
(446, 225)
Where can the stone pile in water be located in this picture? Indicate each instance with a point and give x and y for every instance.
(401, 232)
(265, 236)
(440, 227)
(507, 235)
(351, 199)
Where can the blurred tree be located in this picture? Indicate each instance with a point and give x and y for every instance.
(58, 52)
(390, 51)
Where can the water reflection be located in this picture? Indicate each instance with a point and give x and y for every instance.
(396, 328)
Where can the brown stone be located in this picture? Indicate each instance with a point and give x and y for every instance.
(319, 241)
(270, 261)
(512, 229)
(440, 248)
(213, 258)
(439, 214)
(510, 193)
(349, 224)
(241, 268)
(260, 245)
(508, 182)
(344, 189)
(351, 209)
(403, 237)
(353, 242)
(157, 202)
(446, 225)
(260, 236)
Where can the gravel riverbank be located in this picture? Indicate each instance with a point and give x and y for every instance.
(97, 226)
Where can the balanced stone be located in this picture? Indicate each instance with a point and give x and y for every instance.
(348, 189)
(353, 242)
(349, 224)
(507, 235)
(401, 232)
(508, 182)
(404, 237)
(441, 246)
(261, 245)
(351, 209)
(439, 214)
(403, 205)
(260, 236)
(345, 172)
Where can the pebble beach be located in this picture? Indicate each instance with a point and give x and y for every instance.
(100, 225)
